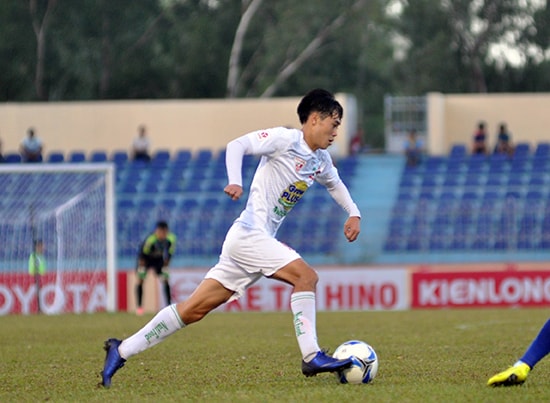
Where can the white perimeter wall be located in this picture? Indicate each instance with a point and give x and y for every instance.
(452, 118)
(172, 124)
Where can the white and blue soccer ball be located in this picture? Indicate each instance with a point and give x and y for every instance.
(365, 362)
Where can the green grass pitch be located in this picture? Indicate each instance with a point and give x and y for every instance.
(425, 356)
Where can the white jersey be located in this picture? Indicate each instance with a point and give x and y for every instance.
(287, 168)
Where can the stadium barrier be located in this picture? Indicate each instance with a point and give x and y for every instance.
(384, 288)
(340, 289)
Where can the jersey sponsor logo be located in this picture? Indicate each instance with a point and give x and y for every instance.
(290, 196)
(299, 163)
(262, 135)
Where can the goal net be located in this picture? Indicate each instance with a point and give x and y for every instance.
(57, 231)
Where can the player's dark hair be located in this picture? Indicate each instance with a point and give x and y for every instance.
(319, 100)
(162, 225)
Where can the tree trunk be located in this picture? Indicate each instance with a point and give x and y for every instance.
(310, 49)
(233, 79)
(40, 27)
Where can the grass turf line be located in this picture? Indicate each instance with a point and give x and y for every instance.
(425, 356)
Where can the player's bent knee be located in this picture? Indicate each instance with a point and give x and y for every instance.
(306, 280)
(310, 278)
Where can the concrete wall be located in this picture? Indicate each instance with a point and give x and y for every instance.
(453, 118)
(195, 124)
(171, 124)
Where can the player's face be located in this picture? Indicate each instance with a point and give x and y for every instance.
(161, 233)
(321, 130)
(325, 130)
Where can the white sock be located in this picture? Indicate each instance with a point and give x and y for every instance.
(166, 322)
(303, 308)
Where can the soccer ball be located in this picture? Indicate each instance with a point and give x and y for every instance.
(365, 362)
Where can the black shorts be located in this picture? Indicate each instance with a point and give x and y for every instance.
(156, 265)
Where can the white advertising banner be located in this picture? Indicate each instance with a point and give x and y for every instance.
(349, 289)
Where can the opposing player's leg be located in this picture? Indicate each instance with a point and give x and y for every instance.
(164, 276)
(141, 273)
(302, 302)
(207, 296)
(517, 374)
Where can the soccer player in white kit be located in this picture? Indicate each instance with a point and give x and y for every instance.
(291, 161)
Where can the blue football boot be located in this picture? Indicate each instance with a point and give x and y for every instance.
(324, 363)
(113, 361)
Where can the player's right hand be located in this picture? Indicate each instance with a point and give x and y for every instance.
(233, 191)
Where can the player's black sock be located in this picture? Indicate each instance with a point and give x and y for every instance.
(139, 294)
(167, 293)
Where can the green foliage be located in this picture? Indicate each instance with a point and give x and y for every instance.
(425, 356)
(125, 49)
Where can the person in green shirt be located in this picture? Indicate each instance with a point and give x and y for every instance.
(37, 261)
(155, 253)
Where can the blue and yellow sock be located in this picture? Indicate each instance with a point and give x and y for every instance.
(539, 348)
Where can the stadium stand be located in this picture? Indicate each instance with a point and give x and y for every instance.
(452, 204)
(462, 203)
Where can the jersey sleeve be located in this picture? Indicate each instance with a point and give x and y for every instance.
(330, 178)
(262, 142)
(172, 248)
(147, 245)
(269, 142)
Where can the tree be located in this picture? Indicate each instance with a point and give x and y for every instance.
(40, 22)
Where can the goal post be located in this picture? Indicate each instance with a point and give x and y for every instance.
(69, 211)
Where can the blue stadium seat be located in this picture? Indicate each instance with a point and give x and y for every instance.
(458, 152)
(455, 167)
(430, 181)
(515, 181)
(151, 187)
(183, 156)
(494, 181)
(119, 157)
(542, 150)
(12, 158)
(169, 203)
(98, 156)
(56, 156)
(129, 188)
(522, 150)
(146, 204)
(77, 156)
(408, 181)
(161, 155)
(534, 195)
(537, 180)
(174, 187)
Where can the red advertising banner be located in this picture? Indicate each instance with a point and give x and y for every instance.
(480, 289)
(74, 292)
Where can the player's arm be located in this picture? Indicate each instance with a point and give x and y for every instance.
(171, 249)
(234, 153)
(340, 193)
(262, 142)
(145, 250)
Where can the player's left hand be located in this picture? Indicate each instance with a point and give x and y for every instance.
(352, 228)
(233, 191)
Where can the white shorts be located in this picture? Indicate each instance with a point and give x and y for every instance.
(247, 255)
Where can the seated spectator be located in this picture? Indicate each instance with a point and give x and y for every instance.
(480, 140)
(356, 143)
(141, 145)
(414, 149)
(504, 143)
(31, 147)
